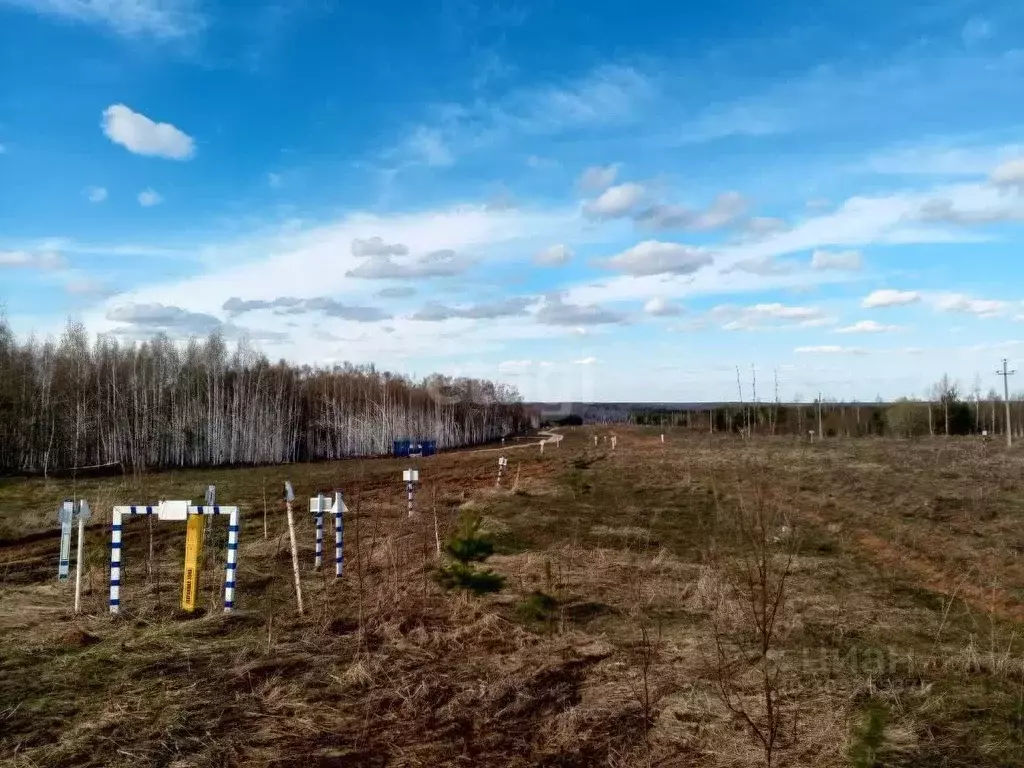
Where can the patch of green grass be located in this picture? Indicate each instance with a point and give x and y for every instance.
(868, 737)
(538, 606)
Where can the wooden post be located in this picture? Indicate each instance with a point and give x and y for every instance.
(289, 496)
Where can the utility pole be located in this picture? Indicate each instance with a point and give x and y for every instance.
(820, 433)
(1006, 374)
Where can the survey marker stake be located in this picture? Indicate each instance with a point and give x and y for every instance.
(411, 477)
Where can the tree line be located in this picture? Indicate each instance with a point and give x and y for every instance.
(81, 402)
(945, 410)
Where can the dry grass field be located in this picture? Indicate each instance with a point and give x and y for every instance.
(708, 601)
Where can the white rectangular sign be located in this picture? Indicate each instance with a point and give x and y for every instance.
(173, 510)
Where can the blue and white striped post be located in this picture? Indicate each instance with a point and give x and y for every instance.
(318, 515)
(115, 561)
(174, 511)
(339, 534)
(231, 567)
(411, 477)
(64, 516)
(231, 564)
(116, 522)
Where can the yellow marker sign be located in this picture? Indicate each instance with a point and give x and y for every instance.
(193, 548)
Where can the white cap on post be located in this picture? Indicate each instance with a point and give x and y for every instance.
(173, 510)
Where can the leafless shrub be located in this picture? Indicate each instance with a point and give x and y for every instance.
(753, 557)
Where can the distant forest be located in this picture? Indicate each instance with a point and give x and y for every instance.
(79, 402)
(947, 410)
(947, 414)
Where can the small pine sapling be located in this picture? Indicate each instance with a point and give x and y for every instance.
(464, 548)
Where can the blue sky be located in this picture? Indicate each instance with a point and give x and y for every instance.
(622, 202)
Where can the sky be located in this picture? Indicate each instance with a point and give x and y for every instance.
(604, 201)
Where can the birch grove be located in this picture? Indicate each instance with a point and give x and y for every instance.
(75, 403)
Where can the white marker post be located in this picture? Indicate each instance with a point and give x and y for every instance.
(339, 534)
(289, 497)
(411, 477)
(595, 441)
(317, 507)
(64, 516)
(84, 514)
(663, 437)
(614, 441)
(502, 463)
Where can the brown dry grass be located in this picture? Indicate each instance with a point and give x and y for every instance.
(905, 594)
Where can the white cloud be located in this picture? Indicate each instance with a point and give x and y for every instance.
(767, 316)
(598, 178)
(1009, 174)
(442, 263)
(88, 287)
(867, 326)
(728, 209)
(554, 256)
(290, 305)
(306, 262)
(659, 307)
(96, 194)
(607, 95)
(827, 349)
(585, 361)
(46, 260)
(428, 145)
(975, 212)
(539, 163)
(512, 366)
(511, 307)
(555, 311)
(977, 30)
(764, 225)
(961, 303)
(615, 202)
(842, 260)
(160, 18)
(652, 257)
(765, 265)
(940, 159)
(890, 298)
(148, 198)
(396, 292)
(142, 136)
(375, 246)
